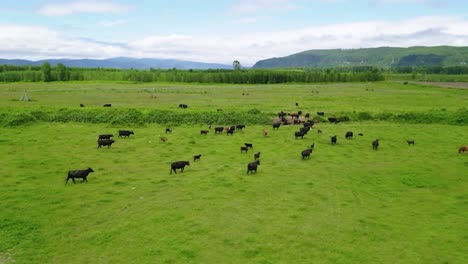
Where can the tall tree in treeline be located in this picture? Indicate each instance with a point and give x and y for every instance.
(236, 65)
(46, 72)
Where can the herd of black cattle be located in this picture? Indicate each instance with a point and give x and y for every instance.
(282, 119)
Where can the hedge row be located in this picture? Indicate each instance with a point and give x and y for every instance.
(10, 117)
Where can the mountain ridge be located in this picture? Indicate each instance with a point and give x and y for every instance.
(120, 63)
(378, 57)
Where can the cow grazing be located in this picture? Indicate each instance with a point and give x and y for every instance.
(257, 156)
(276, 125)
(306, 153)
(305, 130)
(183, 106)
(410, 142)
(168, 130)
(219, 130)
(361, 134)
(196, 157)
(83, 174)
(333, 120)
(179, 165)
(297, 104)
(240, 127)
(320, 113)
(375, 144)
(105, 142)
(333, 140)
(248, 145)
(105, 136)
(230, 131)
(300, 134)
(312, 146)
(307, 115)
(349, 135)
(125, 133)
(244, 149)
(107, 105)
(462, 149)
(252, 166)
(264, 132)
(319, 131)
(204, 132)
(81, 105)
(309, 123)
(163, 139)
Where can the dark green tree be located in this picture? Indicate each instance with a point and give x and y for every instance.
(46, 72)
(236, 65)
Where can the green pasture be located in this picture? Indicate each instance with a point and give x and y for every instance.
(346, 204)
(330, 98)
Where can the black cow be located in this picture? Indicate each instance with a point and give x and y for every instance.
(248, 145)
(361, 134)
(179, 165)
(319, 131)
(240, 127)
(107, 105)
(410, 142)
(276, 125)
(333, 120)
(230, 131)
(297, 104)
(307, 115)
(168, 130)
(252, 166)
(304, 130)
(125, 133)
(105, 142)
(320, 113)
(375, 144)
(306, 153)
(242, 148)
(196, 157)
(349, 135)
(257, 156)
(204, 132)
(219, 130)
(308, 123)
(333, 140)
(312, 146)
(183, 106)
(78, 174)
(81, 105)
(105, 136)
(300, 134)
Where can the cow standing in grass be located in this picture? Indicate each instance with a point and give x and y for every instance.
(252, 166)
(179, 165)
(83, 174)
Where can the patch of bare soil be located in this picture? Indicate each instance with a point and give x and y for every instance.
(458, 85)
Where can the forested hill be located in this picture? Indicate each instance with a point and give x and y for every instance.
(379, 57)
(121, 63)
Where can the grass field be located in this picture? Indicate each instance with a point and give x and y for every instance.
(347, 204)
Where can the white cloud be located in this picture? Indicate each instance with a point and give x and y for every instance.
(112, 23)
(41, 42)
(252, 6)
(82, 6)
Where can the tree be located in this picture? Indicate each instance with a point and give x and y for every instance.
(61, 72)
(236, 65)
(46, 72)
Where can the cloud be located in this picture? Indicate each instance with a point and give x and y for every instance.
(41, 42)
(252, 6)
(82, 6)
(112, 23)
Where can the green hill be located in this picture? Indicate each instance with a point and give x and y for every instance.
(379, 57)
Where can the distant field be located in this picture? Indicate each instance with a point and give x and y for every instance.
(346, 204)
(331, 98)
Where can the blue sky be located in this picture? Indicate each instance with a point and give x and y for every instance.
(222, 30)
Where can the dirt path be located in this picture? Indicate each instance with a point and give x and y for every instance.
(458, 85)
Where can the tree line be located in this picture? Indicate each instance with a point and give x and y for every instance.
(48, 73)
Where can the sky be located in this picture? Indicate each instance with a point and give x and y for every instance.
(221, 31)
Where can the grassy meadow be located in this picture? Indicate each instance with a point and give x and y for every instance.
(346, 204)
